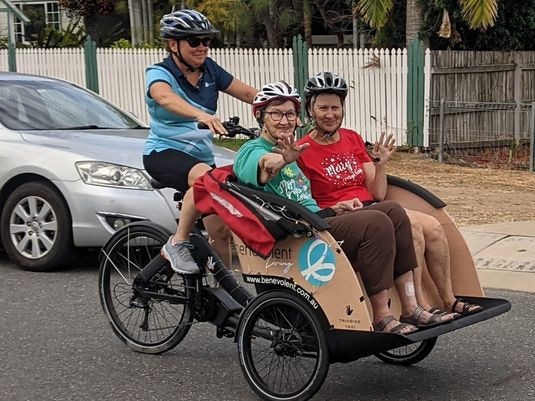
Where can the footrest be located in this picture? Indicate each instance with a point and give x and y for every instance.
(349, 345)
(491, 307)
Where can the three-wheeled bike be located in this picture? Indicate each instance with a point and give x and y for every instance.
(304, 307)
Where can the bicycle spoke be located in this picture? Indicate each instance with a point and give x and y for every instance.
(146, 324)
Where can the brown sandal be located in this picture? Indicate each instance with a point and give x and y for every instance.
(440, 312)
(414, 319)
(380, 326)
(468, 308)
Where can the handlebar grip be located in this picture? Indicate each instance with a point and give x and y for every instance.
(232, 128)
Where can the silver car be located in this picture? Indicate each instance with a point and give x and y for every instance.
(71, 171)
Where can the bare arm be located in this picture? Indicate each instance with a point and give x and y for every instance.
(241, 91)
(376, 181)
(162, 94)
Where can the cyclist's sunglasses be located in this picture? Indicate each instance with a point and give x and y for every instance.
(195, 41)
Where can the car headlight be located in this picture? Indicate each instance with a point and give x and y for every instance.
(112, 175)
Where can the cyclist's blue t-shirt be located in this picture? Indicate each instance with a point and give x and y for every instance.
(290, 183)
(171, 131)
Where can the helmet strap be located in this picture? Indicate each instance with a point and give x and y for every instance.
(326, 134)
(181, 60)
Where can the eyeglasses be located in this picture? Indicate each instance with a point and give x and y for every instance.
(277, 115)
(195, 41)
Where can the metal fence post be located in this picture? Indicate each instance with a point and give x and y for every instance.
(532, 140)
(11, 47)
(517, 93)
(12, 57)
(300, 59)
(441, 133)
(91, 70)
(415, 93)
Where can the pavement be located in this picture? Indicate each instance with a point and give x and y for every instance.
(504, 254)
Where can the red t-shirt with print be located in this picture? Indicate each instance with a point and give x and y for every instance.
(335, 170)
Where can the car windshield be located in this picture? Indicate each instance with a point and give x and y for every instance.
(47, 105)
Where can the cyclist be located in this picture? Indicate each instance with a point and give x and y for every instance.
(377, 239)
(358, 178)
(181, 92)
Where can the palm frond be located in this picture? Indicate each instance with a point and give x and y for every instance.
(479, 13)
(375, 12)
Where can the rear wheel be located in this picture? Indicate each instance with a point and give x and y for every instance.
(282, 347)
(145, 324)
(408, 354)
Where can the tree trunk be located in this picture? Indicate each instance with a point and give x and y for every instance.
(136, 22)
(144, 22)
(271, 33)
(414, 22)
(307, 21)
(150, 14)
(271, 30)
(132, 22)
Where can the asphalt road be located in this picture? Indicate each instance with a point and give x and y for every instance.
(55, 344)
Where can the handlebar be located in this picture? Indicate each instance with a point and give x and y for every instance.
(234, 128)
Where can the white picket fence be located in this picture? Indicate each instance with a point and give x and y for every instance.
(377, 99)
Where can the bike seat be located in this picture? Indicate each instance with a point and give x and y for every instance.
(177, 196)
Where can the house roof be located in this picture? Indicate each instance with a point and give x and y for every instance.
(11, 8)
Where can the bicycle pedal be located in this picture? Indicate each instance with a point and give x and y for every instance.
(139, 302)
(223, 332)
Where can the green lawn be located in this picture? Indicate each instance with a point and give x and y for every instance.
(233, 144)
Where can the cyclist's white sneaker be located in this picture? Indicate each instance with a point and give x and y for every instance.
(179, 257)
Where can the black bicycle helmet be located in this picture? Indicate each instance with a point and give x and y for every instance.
(183, 23)
(325, 82)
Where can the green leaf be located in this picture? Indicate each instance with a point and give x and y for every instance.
(479, 13)
(375, 12)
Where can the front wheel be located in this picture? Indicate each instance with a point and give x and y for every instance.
(282, 347)
(408, 354)
(145, 324)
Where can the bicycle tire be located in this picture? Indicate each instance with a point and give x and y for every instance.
(282, 348)
(408, 354)
(156, 326)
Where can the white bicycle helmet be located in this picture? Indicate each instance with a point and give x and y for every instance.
(325, 82)
(183, 23)
(275, 90)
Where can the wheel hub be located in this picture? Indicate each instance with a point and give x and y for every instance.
(35, 228)
(287, 343)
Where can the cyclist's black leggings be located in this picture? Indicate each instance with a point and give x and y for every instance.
(170, 167)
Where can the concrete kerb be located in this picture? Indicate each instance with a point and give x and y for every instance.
(504, 254)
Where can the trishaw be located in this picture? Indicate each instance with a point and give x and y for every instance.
(303, 308)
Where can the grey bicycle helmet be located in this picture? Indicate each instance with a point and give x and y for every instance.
(183, 23)
(275, 90)
(325, 82)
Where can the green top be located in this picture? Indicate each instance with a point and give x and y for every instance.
(290, 183)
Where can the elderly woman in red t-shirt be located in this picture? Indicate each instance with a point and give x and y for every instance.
(340, 169)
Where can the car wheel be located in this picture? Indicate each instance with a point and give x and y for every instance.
(36, 227)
